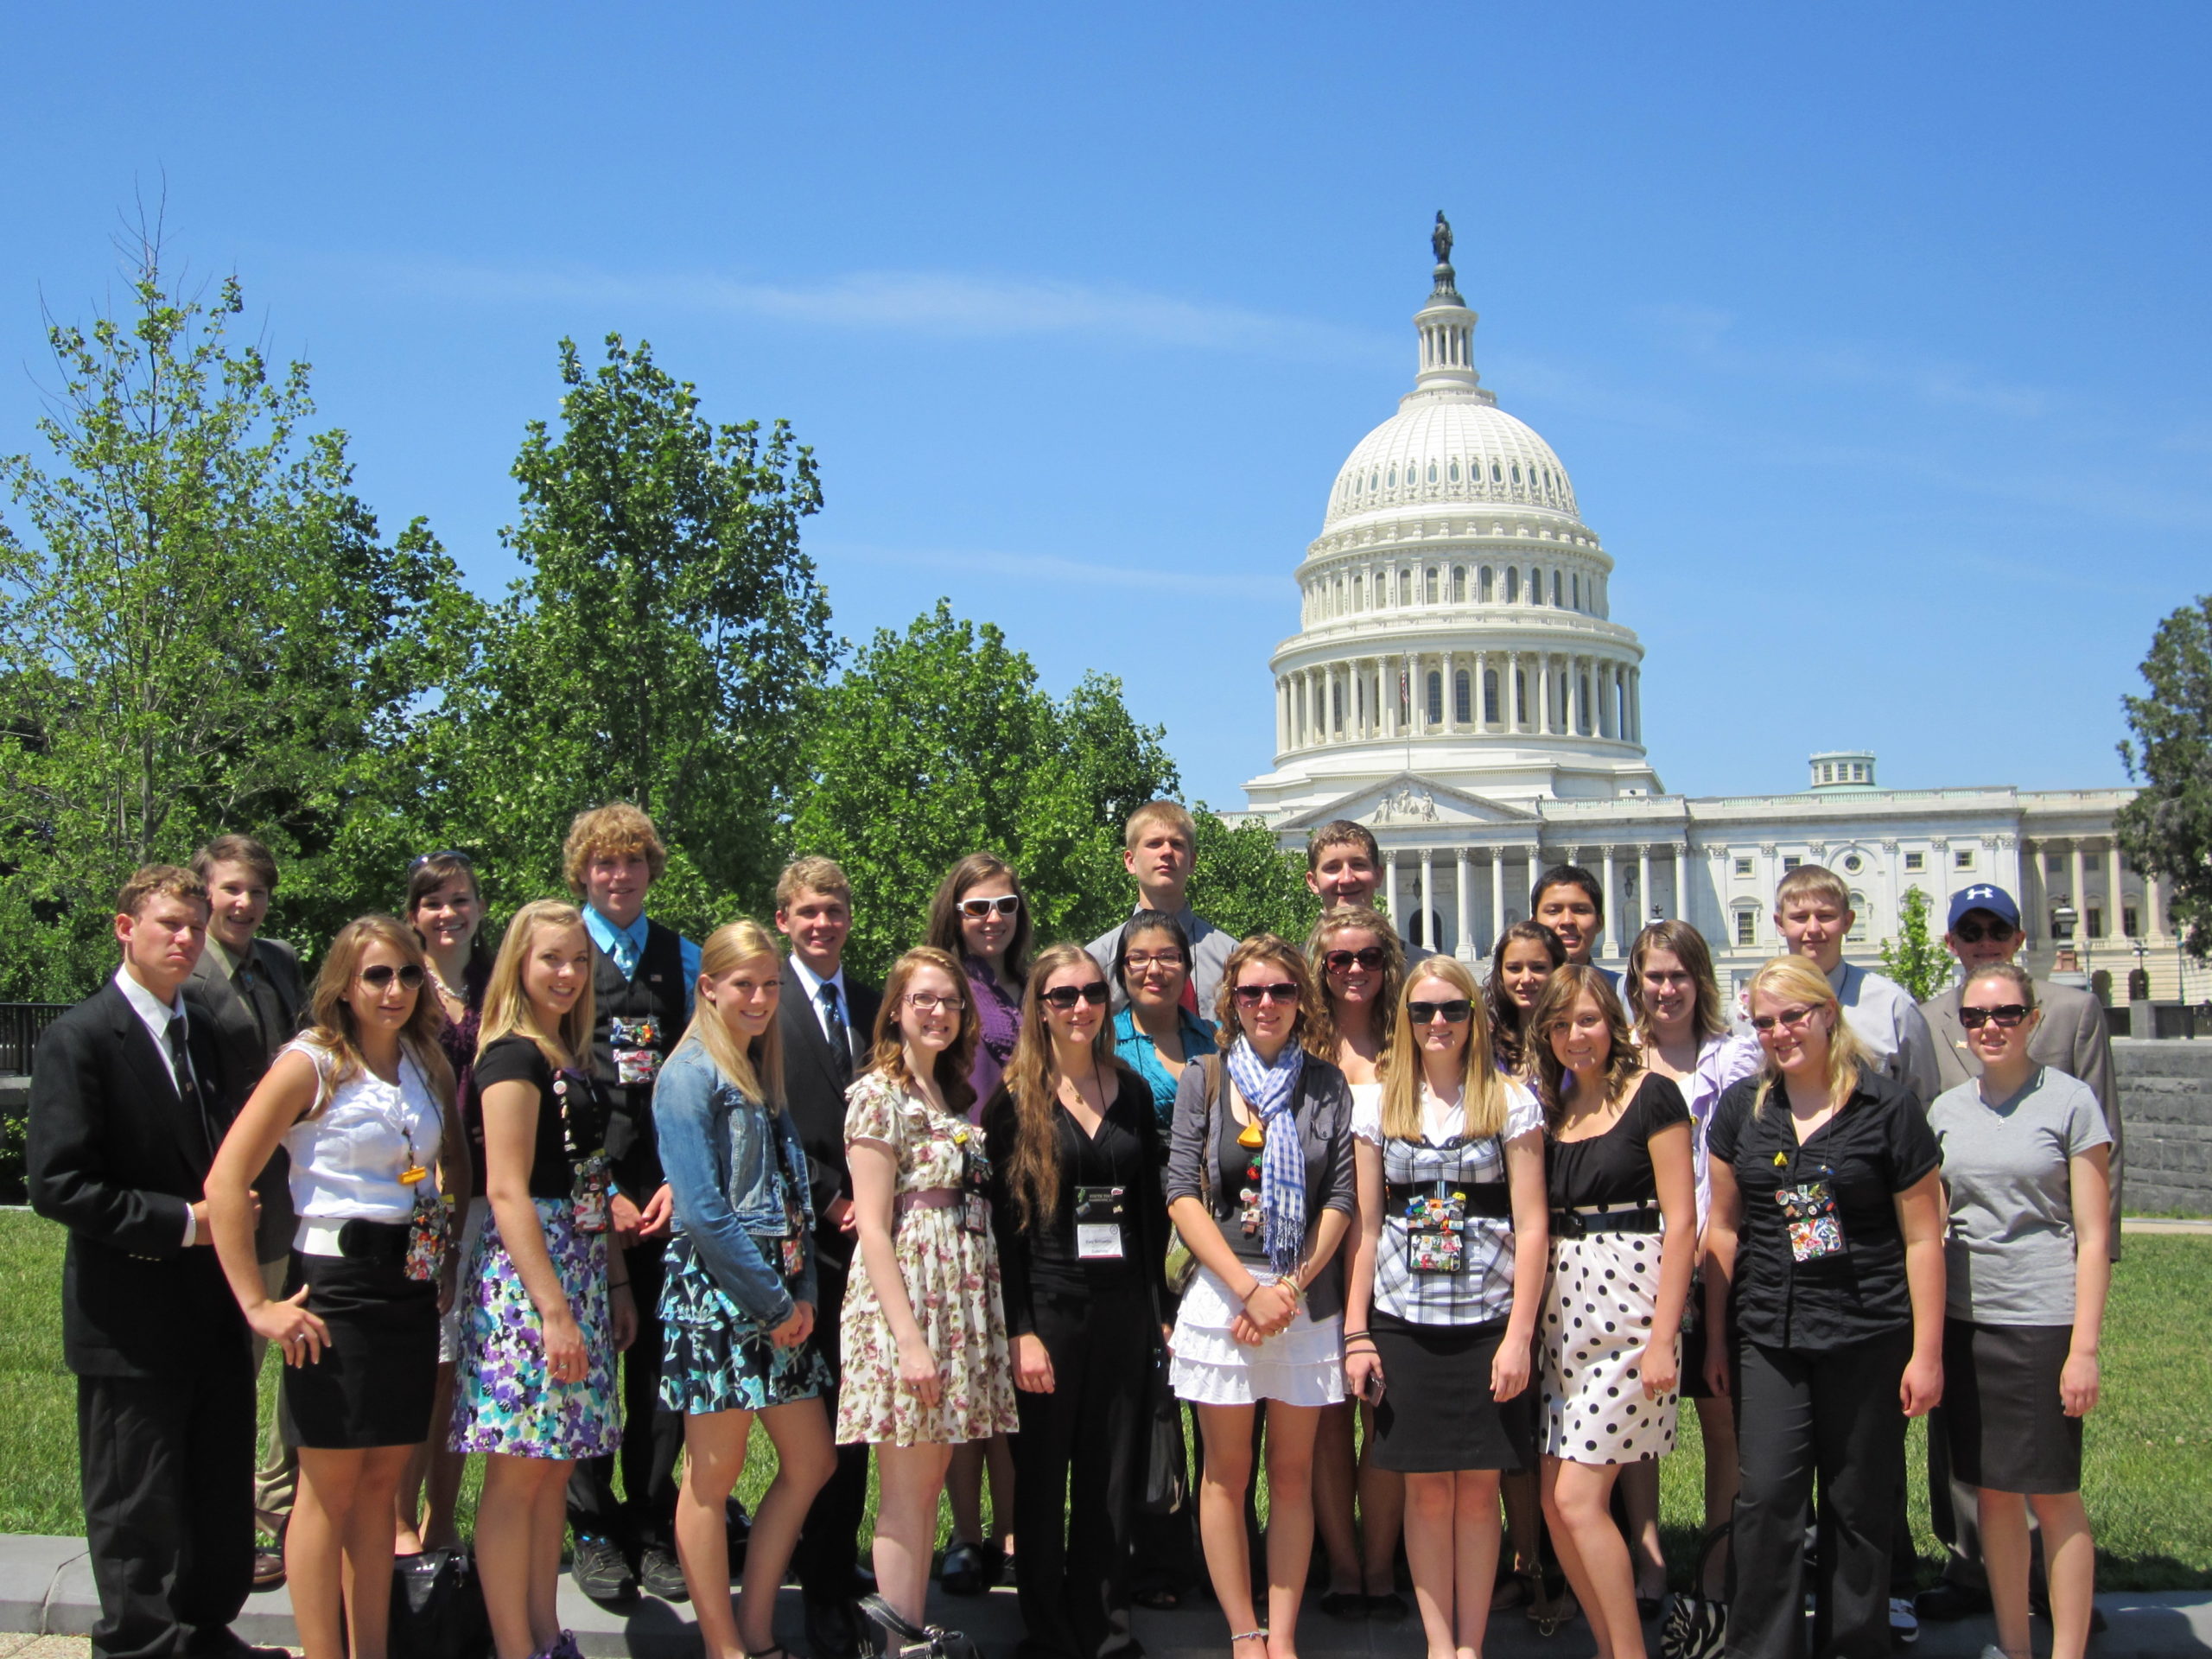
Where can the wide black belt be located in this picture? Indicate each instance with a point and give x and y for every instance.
(1585, 1219)
(1490, 1198)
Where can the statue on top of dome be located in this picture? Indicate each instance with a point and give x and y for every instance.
(1440, 239)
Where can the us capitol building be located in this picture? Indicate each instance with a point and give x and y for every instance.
(1458, 684)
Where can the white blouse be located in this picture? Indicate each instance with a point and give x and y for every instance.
(346, 1157)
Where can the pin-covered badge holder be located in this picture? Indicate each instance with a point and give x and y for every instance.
(1254, 1139)
(1436, 1229)
(975, 1181)
(589, 1196)
(636, 1044)
(791, 1251)
(1808, 1212)
(427, 1238)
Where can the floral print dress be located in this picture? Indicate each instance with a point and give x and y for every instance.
(951, 1271)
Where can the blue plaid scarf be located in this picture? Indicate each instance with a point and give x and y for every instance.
(1270, 1091)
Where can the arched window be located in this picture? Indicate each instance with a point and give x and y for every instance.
(1432, 471)
(1520, 698)
(1582, 703)
(1405, 587)
(1536, 586)
(1485, 585)
(1458, 584)
(1859, 909)
(1428, 587)
(1435, 698)
(1455, 469)
(1335, 705)
(1578, 591)
(1494, 475)
(1747, 924)
(1489, 697)
(1513, 585)
(1462, 711)
(1559, 589)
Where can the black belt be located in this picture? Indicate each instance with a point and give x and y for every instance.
(1490, 1198)
(1580, 1222)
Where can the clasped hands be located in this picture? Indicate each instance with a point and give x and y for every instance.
(1267, 1312)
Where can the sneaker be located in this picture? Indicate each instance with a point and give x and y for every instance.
(1904, 1623)
(659, 1573)
(600, 1569)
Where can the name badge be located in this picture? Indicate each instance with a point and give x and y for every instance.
(1099, 1212)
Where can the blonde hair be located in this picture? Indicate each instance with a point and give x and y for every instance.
(1033, 1082)
(812, 874)
(1170, 813)
(756, 1068)
(507, 1008)
(1312, 1030)
(1812, 881)
(1797, 977)
(888, 1055)
(615, 830)
(1481, 1087)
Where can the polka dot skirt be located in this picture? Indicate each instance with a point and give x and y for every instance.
(1597, 1313)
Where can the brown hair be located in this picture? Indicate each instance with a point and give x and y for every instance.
(1341, 832)
(944, 911)
(1797, 976)
(332, 1026)
(2010, 972)
(1312, 1030)
(1033, 1082)
(1170, 813)
(615, 830)
(813, 874)
(433, 871)
(162, 882)
(1554, 1009)
(1505, 1034)
(507, 1010)
(1812, 881)
(888, 1055)
(1334, 922)
(237, 849)
(1687, 945)
(1482, 1090)
(757, 1069)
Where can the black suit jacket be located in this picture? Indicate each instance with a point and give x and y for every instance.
(817, 1098)
(115, 1158)
(235, 1024)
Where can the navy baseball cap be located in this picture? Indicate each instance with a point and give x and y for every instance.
(1982, 896)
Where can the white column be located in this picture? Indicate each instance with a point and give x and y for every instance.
(2078, 898)
(1390, 890)
(1613, 933)
(1332, 722)
(1475, 701)
(1497, 894)
(1642, 886)
(1428, 897)
(1460, 910)
(1416, 696)
(2154, 901)
(1682, 908)
(1636, 701)
(1544, 690)
(1574, 709)
(1282, 725)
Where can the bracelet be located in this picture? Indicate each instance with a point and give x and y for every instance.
(618, 1284)
(1354, 1336)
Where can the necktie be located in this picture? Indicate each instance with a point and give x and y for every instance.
(841, 1041)
(187, 1082)
(625, 952)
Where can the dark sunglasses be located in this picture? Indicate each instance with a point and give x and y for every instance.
(2004, 1017)
(1282, 991)
(1340, 961)
(421, 859)
(1065, 997)
(1789, 1017)
(1974, 932)
(1454, 1012)
(410, 976)
(976, 909)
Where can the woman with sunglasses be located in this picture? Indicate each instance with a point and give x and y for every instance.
(1683, 1035)
(548, 1292)
(1155, 1035)
(1082, 1231)
(925, 1366)
(2028, 1259)
(1523, 959)
(362, 1104)
(1826, 1234)
(445, 908)
(980, 919)
(1618, 1172)
(1259, 1187)
(1447, 1276)
(1361, 963)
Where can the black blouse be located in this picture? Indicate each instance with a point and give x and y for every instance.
(1876, 1147)
(1615, 1167)
(571, 1111)
(1043, 1261)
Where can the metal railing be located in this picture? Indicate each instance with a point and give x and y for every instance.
(20, 1026)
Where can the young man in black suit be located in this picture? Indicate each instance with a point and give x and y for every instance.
(254, 988)
(130, 1093)
(828, 1026)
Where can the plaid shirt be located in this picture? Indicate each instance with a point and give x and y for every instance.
(1482, 1290)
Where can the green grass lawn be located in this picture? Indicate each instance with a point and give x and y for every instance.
(2148, 1460)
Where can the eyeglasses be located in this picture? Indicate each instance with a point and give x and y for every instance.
(424, 858)
(1283, 990)
(929, 1002)
(1340, 961)
(381, 974)
(1970, 931)
(1137, 961)
(1791, 1018)
(1065, 997)
(2004, 1017)
(975, 909)
(1454, 1012)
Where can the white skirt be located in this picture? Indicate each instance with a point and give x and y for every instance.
(1302, 1365)
(471, 1229)
(1599, 1310)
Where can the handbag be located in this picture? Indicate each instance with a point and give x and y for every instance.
(1697, 1625)
(1167, 1470)
(437, 1607)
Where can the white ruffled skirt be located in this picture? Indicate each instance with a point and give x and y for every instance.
(1302, 1365)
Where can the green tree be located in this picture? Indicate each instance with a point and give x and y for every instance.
(2167, 829)
(939, 742)
(1244, 883)
(201, 629)
(1917, 959)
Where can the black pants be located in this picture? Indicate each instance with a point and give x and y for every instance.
(1835, 1415)
(166, 1465)
(829, 1542)
(651, 1438)
(1075, 1472)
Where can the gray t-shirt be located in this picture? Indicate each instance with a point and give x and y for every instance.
(2008, 1252)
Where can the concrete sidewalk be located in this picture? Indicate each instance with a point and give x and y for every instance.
(46, 1589)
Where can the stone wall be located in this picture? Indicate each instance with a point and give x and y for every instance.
(2165, 1100)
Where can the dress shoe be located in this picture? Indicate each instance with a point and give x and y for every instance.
(1946, 1603)
(969, 1569)
(267, 1568)
(220, 1642)
(833, 1629)
(659, 1573)
(600, 1569)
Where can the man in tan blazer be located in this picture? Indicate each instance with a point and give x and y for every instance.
(2072, 1038)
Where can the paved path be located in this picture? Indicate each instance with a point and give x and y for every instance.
(46, 1587)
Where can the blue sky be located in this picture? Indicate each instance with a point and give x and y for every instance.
(1874, 338)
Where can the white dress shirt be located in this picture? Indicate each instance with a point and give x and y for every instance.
(813, 983)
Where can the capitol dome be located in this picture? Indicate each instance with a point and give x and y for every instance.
(1454, 615)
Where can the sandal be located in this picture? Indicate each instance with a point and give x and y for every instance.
(774, 1651)
(914, 1641)
(1261, 1636)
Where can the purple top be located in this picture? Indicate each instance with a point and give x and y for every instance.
(458, 1039)
(1001, 1016)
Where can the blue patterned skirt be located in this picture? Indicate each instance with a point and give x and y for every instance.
(716, 1357)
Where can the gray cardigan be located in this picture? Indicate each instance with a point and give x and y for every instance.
(1323, 1113)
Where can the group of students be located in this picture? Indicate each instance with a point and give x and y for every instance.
(609, 1196)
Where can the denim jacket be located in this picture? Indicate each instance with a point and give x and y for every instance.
(725, 1157)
